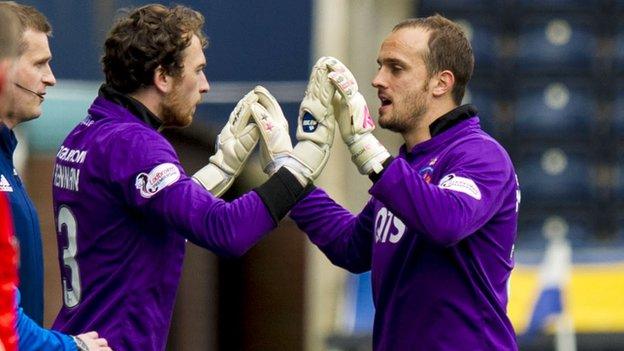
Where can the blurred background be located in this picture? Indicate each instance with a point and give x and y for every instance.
(547, 85)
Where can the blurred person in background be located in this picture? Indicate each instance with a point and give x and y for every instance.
(26, 78)
(124, 206)
(439, 230)
(8, 252)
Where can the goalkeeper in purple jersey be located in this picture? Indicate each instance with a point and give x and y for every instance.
(123, 204)
(439, 229)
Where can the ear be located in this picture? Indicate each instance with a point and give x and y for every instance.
(4, 68)
(2, 79)
(162, 81)
(444, 83)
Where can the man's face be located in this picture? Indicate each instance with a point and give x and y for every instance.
(402, 81)
(179, 105)
(31, 71)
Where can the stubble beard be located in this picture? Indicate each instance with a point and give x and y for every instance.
(406, 114)
(176, 112)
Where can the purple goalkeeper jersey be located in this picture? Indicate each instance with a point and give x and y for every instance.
(123, 208)
(437, 235)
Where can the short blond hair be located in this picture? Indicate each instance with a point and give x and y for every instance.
(27, 17)
(449, 49)
(9, 34)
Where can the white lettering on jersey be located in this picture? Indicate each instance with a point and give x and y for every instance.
(158, 178)
(66, 177)
(71, 155)
(4, 184)
(460, 184)
(388, 227)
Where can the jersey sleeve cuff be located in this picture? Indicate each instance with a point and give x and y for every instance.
(374, 177)
(281, 192)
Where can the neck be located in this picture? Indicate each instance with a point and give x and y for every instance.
(5, 110)
(150, 98)
(6, 116)
(8, 122)
(420, 132)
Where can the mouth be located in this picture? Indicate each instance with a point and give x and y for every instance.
(386, 101)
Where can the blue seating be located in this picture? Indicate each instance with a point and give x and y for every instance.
(484, 99)
(618, 113)
(581, 6)
(556, 177)
(618, 183)
(533, 231)
(445, 7)
(618, 51)
(618, 5)
(555, 110)
(484, 37)
(556, 45)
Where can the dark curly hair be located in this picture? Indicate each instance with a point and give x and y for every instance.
(143, 39)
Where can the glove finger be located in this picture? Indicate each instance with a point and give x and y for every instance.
(334, 65)
(271, 105)
(240, 116)
(248, 139)
(322, 61)
(321, 64)
(261, 116)
(265, 122)
(343, 87)
(252, 131)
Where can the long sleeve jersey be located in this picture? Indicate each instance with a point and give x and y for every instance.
(437, 235)
(124, 208)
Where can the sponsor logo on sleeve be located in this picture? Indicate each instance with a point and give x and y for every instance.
(460, 184)
(308, 123)
(157, 179)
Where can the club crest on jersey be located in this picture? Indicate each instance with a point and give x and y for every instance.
(308, 123)
(426, 171)
(460, 184)
(157, 179)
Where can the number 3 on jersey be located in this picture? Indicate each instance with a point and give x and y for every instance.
(71, 285)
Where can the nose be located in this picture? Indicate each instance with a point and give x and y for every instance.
(378, 80)
(204, 86)
(48, 78)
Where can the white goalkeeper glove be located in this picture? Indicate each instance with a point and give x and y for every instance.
(315, 131)
(315, 125)
(354, 120)
(234, 144)
(276, 148)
